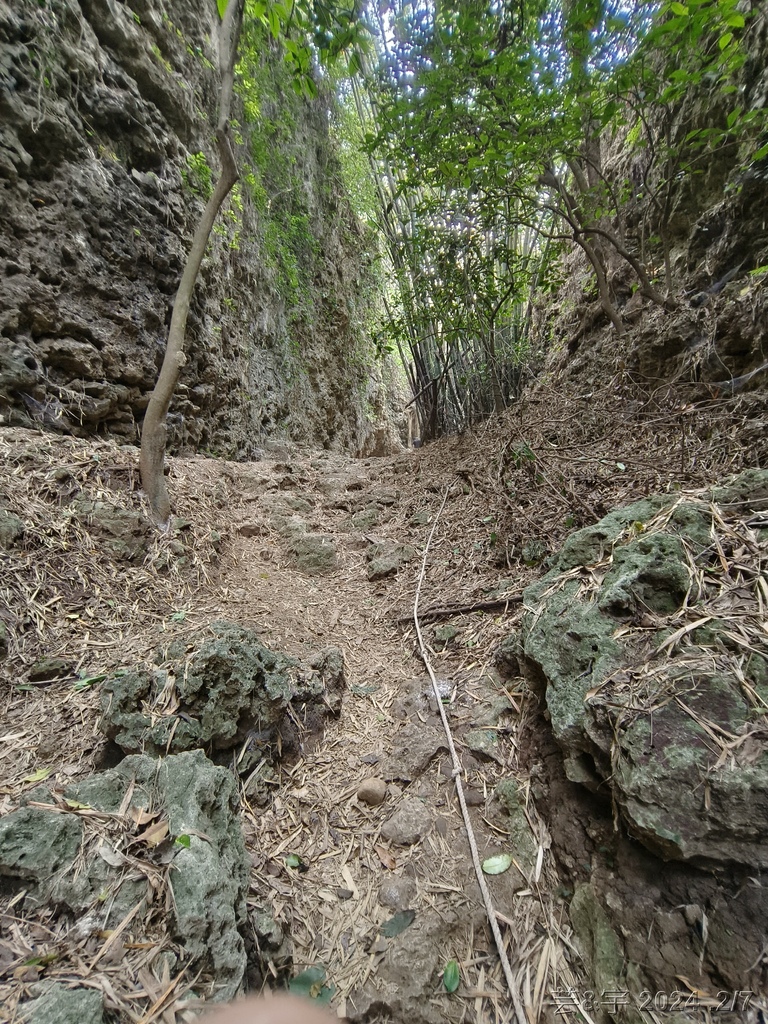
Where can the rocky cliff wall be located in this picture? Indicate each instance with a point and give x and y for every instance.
(106, 110)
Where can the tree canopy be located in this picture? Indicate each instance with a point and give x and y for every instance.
(488, 124)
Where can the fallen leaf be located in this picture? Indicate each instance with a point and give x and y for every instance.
(397, 924)
(451, 976)
(311, 985)
(386, 857)
(154, 835)
(140, 815)
(114, 858)
(497, 865)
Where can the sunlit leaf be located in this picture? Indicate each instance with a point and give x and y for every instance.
(497, 864)
(451, 976)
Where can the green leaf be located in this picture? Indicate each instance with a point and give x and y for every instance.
(311, 985)
(222, 6)
(451, 976)
(678, 8)
(354, 65)
(183, 840)
(87, 681)
(397, 924)
(39, 776)
(274, 22)
(724, 40)
(498, 864)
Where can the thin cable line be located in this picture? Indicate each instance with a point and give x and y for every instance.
(457, 772)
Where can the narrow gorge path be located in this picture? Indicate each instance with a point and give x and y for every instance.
(360, 869)
(409, 853)
(309, 550)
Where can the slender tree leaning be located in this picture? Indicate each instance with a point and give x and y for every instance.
(154, 430)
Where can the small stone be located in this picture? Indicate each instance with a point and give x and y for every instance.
(11, 529)
(474, 798)
(313, 554)
(444, 635)
(397, 893)
(251, 530)
(372, 791)
(484, 743)
(50, 668)
(410, 823)
(344, 894)
(692, 914)
(386, 559)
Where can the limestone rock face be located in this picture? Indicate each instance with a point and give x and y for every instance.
(232, 692)
(106, 157)
(57, 858)
(639, 639)
(61, 1005)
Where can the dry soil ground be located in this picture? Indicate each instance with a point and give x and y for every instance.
(509, 492)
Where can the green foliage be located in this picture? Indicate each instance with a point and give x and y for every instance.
(290, 249)
(309, 29)
(484, 122)
(197, 175)
(272, 113)
(355, 167)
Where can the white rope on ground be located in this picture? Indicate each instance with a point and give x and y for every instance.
(457, 773)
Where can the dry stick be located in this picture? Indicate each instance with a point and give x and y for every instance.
(445, 611)
(457, 772)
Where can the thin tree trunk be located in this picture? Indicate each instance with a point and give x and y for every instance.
(154, 430)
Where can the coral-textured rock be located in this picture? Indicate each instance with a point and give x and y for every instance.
(61, 1005)
(45, 850)
(35, 844)
(410, 822)
(106, 157)
(629, 636)
(231, 692)
(386, 559)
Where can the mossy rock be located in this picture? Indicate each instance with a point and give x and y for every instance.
(641, 724)
(231, 691)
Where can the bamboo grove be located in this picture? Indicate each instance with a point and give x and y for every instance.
(501, 135)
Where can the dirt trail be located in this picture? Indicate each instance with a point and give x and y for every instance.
(238, 526)
(75, 593)
(388, 729)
